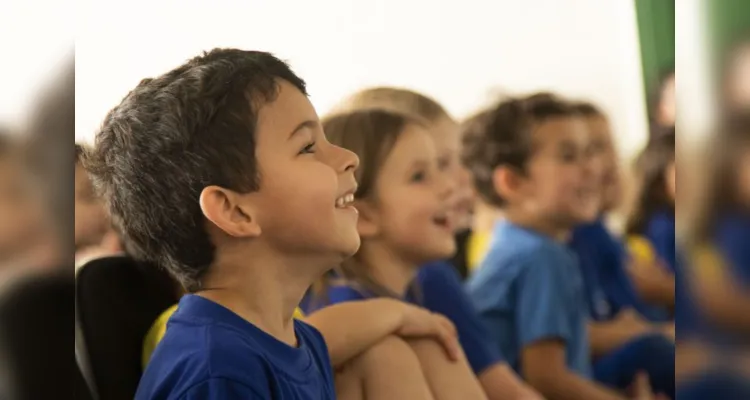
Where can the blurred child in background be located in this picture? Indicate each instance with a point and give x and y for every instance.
(406, 209)
(612, 285)
(533, 159)
(447, 138)
(94, 236)
(663, 103)
(651, 225)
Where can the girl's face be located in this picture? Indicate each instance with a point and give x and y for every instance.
(606, 162)
(412, 210)
(447, 138)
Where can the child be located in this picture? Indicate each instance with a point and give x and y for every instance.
(663, 104)
(622, 340)
(533, 161)
(611, 288)
(720, 236)
(219, 171)
(652, 222)
(447, 138)
(439, 287)
(93, 234)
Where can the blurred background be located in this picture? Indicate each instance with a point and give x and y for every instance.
(465, 54)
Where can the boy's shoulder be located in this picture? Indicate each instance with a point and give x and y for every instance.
(518, 248)
(208, 348)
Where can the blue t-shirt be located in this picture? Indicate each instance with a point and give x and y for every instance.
(732, 239)
(440, 291)
(209, 352)
(608, 287)
(529, 288)
(660, 231)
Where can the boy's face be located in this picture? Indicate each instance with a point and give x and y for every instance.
(560, 183)
(448, 143)
(90, 218)
(413, 207)
(606, 162)
(302, 176)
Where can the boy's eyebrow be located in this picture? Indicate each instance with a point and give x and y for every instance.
(312, 124)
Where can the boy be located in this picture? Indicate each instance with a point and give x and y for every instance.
(219, 171)
(532, 159)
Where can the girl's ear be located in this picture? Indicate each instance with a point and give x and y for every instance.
(367, 223)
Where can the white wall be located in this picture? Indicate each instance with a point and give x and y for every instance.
(36, 40)
(459, 51)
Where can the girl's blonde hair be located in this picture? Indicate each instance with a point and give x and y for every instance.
(399, 100)
(371, 134)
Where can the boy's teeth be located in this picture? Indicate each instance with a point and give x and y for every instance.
(345, 200)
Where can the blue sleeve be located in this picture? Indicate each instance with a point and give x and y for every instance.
(661, 233)
(338, 293)
(733, 238)
(443, 293)
(222, 388)
(541, 307)
(315, 341)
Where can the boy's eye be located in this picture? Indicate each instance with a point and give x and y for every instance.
(418, 176)
(308, 149)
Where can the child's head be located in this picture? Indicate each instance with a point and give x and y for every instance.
(403, 198)
(604, 152)
(531, 157)
(442, 127)
(91, 222)
(656, 174)
(663, 100)
(221, 160)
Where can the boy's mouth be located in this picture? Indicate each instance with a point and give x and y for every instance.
(443, 220)
(345, 201)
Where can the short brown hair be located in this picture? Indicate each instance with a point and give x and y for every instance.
(501, 136)
(396, 99)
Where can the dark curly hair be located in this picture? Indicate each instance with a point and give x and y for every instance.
(501, 136)
(171, 137)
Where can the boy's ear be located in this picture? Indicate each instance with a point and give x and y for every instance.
(367, 223)
(225, 209)
(506, 181)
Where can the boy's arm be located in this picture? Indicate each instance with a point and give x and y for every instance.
(605, 336)
(500, 382)
(545, 369)
(653, 284)
(349, 328)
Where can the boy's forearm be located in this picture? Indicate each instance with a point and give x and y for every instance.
(569, 386)
(605, 336)
(350, 328)
(500, 382)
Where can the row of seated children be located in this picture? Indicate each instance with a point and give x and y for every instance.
(236, 191)
(211, 194)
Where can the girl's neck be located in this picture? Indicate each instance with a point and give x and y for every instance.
(387, 268)
(543, 226)
(265, 292)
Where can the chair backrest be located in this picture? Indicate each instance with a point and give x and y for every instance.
(36, 328)
(117, 301)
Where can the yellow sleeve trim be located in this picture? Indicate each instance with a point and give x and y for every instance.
(641, 249)
(477, 248)
(159, 328)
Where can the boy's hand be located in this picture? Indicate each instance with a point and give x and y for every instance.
(641, 389)
(418, 322)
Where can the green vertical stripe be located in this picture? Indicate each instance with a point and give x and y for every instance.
(656, 33)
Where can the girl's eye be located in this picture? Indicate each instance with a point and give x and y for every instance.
(308, 149)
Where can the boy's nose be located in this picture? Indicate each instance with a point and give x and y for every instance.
(346, 160)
